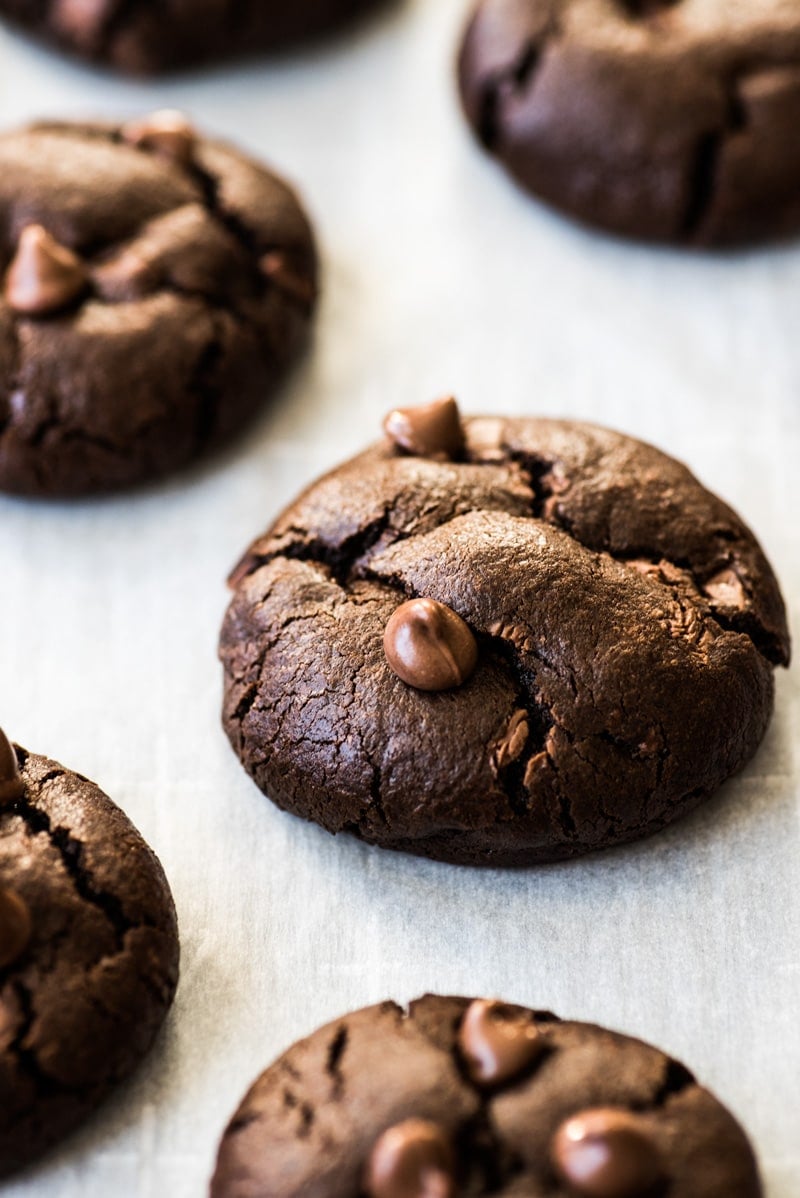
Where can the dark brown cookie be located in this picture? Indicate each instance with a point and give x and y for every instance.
(156, 285)
(382, 1104)
(671, 120)
(626, 624)
(141, 37)
(88, 951)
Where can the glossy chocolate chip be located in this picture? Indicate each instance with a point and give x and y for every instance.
(605, 1153)
(498, 1041)
(44, 276)
(430, 431)
(15, 927)
(413, 1159)
(166, 132)
(11, 785)
(429, 646)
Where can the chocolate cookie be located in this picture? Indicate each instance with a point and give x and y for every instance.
(671, 120)
(141, 37)
(88, 951)
(457, 1097)
(156, 286)
(510, 642)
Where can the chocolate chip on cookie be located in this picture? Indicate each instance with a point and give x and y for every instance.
(671, 120)
(137, 37)
(412, 1159)
(378, 1104)
(503, 658)
(138, 328)
(431, 430)
(43, 276)
(606, 1153)
(88, 951)
(429, 646)
(15, 927)
(12, 786)
(498, 1041)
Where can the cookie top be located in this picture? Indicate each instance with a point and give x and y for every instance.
(624, 626)
(463, 1097)
(155, 287)
(88, 951)
(139, 37)
(670, 120)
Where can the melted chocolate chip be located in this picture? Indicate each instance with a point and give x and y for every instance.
(44, 275)
(166, 132)
(605, 1153)
(11, 785)
(15, 927)
(498, 1041)
(413, 1159)
(429, 646)
(430, 431)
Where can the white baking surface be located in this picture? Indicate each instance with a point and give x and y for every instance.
(439, 276)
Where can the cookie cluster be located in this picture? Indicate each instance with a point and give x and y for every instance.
(514, 626)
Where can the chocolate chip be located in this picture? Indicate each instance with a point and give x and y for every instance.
(11, 785)
(429, 646)
(431, 431)
(725, 588)
(278, 269)
(166, 132)
(81, 21)
(44, 275)
(15, 927)
(605, 1153)
(413, 1159)
(498, 1041)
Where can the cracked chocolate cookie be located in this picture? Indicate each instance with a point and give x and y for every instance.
(156, 285)
(88, 951)
(457, 1096)
(523, 643)
(141, 37)
(670, 120)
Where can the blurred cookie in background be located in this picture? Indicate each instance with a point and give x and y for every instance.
(156, 285)
(669, 120)
(88, 951)
(143, 38)
(455, 1097)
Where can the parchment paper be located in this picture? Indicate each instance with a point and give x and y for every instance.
(439, 276)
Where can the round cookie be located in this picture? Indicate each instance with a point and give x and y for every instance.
(670, 120)
(622, 625)
(88, 951)
(140, 37)
(156, 285)
(457, 1097)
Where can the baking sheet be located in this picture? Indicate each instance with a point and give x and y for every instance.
(439, 276)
